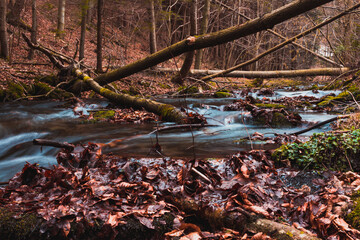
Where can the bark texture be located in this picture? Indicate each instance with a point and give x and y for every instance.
(61, 18)
(33, 28)
(203, 30)
(99, 36)
(4, 46)
(84, 10)
(153, 44)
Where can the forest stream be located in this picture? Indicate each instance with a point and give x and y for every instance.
(20, 123)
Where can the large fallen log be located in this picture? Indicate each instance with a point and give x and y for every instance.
(263, 74)
(262, 23)
(279, 46)
(167, 112)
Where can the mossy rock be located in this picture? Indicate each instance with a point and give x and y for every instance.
(21, 227)
(222, 94)
(188, 90)
(49, 79)
(103, 114)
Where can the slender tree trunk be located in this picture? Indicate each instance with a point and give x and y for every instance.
(203, 30)
(189, 57)
(153, 44)
(4, 47)
(61, 18)
(33, 28)
(84, 9)
(99, 37)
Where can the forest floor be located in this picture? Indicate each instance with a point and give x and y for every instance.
(90, 195)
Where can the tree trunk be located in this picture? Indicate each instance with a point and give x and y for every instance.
(3, 33)
(99, 37)
(277, 47)
(153, 44)
(203, 30)
(84, 9)
(61, 18)
(265, 74)
(13, 17)
(33, 28)
(166, 112)
(189, 57)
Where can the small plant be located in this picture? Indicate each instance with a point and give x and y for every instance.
(323, 151)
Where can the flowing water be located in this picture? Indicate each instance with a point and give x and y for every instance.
(20, 123)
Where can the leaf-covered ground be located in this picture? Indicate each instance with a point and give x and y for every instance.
(111, 197)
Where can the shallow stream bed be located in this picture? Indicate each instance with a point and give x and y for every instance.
(20, 123)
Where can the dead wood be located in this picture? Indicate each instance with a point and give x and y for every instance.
(241, 220)
(279, 46)
(263, 74)
(320, 124)
(167, 112)
(51, 143)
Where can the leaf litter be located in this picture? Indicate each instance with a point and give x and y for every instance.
(110, 196)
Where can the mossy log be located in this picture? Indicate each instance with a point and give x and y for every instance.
(167, 112)
(262, 23)
(264, 74)
(239, 220)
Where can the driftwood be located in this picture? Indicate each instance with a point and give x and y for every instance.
(263, 74)
(46, 142)
(320, 124)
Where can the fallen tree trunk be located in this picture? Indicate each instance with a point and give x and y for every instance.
(167, 112)
(279, 46)
(241, 220)
(264, 74)
(207, 40)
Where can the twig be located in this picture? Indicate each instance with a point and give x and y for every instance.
(320, 124)
(46, 142)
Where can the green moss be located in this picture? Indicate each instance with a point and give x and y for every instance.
(15, 90)
(314, 87)
(222, 94)
(17, 228)
(188, 90)
(164, 86)
(280, 120)
(49, 79)
(100, 115)
(270, 105)
(353, 218)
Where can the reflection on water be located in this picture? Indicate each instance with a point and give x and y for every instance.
(21, 123)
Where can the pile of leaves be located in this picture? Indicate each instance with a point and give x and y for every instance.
(336, 151)
(94, 196)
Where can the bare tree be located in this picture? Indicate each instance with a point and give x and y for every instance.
(189, 57)
(33, 28)
(203, 30)
(153, 43)
(99, 36)
(3, 33)
(84, 9)
(61, 18)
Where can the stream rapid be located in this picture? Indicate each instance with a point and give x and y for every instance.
(20, 123)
